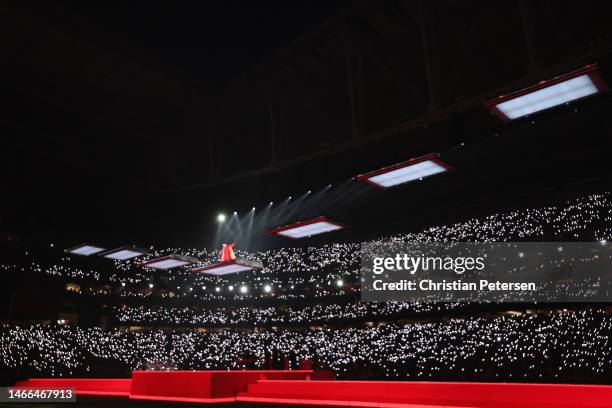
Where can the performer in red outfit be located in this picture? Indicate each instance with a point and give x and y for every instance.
(227, 252)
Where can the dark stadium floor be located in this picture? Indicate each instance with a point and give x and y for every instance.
(119, 402)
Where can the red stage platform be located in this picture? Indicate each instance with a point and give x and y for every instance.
(83, 386)
(395, 394)
(186, 386)
(315, 388)
(207, 386)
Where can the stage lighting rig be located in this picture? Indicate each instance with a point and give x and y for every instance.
(306, 228)
(404, 172)
(85, 250)
(548, 94)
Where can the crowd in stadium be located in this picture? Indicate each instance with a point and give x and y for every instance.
(552, 346)
(254, 316)
(288, 314)
(318, 269)
(546, 345)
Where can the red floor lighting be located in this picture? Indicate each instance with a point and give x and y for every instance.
(307, 387)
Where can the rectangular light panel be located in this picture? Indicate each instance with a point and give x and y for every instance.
(223, 269)
(85, 250)
(405, 172)
(548, 94)
(307, 228)
(168, 262)
(554, 95)
(124, 253)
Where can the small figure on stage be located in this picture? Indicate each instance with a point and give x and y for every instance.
(228, 263)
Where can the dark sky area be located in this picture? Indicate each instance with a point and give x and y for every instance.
(139, 121)
(212, 40)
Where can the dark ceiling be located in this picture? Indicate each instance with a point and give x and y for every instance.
(138, 121)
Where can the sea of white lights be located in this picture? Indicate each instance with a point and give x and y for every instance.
(285, 313)
(271, 315)
(314, 271)
(317, 272)
(572, 346)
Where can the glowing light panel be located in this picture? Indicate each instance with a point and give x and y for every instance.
(546, 98)
(405, 172)
(308, 228)
(122, 254)
(168, 262)
(85, 250)
(548, 94)
(223, 268)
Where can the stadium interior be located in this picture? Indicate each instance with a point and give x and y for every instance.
(141, 140)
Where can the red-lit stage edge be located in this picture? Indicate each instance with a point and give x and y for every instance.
(316, 388)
